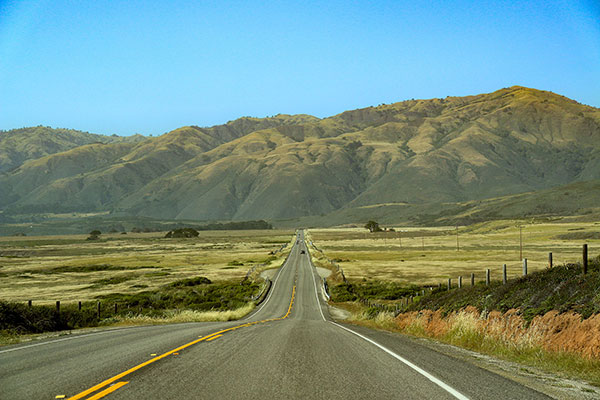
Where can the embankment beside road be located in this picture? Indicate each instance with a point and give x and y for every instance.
(560, 343)
(548, 319)
(553, 332)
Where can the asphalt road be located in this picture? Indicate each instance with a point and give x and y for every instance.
(288, 348)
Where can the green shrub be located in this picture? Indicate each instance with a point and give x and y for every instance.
(182, 233)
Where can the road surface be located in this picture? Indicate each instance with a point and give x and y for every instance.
(288, 348)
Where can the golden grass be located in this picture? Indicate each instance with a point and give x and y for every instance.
(503, 335)
(430, 256)
(179, 316)
(144, 261)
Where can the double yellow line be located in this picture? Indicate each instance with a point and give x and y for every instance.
(168, 353)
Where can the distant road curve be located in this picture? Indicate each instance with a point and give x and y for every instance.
(289, 348)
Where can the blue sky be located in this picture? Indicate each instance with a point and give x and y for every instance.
(148, 67)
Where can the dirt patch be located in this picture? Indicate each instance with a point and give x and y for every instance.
(323, 272)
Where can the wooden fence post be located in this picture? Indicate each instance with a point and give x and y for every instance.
(487, 277)
(79, 306)
(460, 282)
(449, 283)
(550, 260)
(585, 259)
(524, 266)
(29, 303)
(472, 279)
(58, 306)
(115, 308)
(98, 310)
(504, 278)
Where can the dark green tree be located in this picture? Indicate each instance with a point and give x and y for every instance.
(372, 226)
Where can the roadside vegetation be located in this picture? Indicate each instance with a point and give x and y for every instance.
(429, 255)
(70, 269)
(148, 278)
(549, 319)
(195, 299)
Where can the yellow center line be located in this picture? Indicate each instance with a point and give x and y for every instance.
(213, 338)
(152, 360)
(108, 390)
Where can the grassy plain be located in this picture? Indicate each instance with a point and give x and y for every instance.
(70, 268)
(430, 256)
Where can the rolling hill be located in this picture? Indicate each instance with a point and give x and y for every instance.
(456, 150)
(20, 145)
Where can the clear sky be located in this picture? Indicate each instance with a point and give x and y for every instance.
(148, 67)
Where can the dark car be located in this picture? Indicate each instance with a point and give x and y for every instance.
(302, 252)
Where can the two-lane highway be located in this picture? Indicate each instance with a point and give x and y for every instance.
(287, 348)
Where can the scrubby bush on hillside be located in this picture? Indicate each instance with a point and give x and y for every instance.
(562, 288)
(372, 290)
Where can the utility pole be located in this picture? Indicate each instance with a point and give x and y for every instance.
(520, 242)
(457, 246)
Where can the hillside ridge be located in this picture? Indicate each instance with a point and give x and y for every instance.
(455, 149)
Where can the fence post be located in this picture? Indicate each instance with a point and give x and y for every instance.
(439, 285)
(58, 306)
(449, 283)
(585, 259)
(504, 274)
(550, 260)
(115, 308)
(29, 303)
(487, 277)
(460, 282)
(524, 266)
(79, 306)
(98, 309)
(472, 279)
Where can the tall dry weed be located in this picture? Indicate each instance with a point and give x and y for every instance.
(177, 316)
(553, 332)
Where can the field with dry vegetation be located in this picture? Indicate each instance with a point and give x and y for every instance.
(430, 255)
(71, 268)
(547, 319)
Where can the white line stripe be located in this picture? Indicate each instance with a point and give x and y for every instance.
(312, 272)
(421, 371)
(68, 338)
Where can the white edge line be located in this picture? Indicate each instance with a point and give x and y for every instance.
(312, 272)
(76, 336)
(421, 371)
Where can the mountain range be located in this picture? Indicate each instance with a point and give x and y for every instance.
(417, 152)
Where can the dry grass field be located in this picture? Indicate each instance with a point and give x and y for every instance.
(430, 255)
(70, 268)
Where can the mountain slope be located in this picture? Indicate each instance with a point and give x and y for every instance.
(420, 151)
(20, 145)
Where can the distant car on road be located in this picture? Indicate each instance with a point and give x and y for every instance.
(302, 252)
